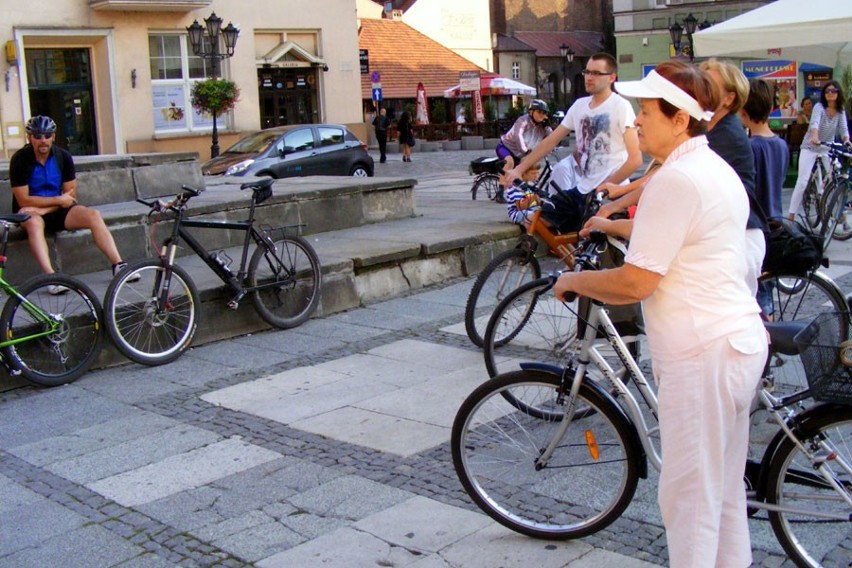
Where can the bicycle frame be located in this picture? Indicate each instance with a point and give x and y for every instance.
(589, 353)
(51, 324)
(233, 280)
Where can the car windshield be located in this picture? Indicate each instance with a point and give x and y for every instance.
(256, 143)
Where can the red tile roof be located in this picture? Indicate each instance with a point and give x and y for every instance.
(405, 57)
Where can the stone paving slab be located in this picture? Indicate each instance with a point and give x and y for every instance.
(180, 472)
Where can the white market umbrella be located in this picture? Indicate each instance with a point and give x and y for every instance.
(816, 31)
(493, 85)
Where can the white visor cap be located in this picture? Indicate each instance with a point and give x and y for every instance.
(655, 86)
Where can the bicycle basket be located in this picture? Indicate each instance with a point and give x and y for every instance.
(487, 165)
(826, 354)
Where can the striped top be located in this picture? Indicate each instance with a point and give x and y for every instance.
(829, 128)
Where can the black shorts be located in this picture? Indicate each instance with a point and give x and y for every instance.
(55, 222)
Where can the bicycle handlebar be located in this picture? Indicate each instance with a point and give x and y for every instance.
(586, 257)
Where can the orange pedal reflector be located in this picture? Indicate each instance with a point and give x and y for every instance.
(593, 445)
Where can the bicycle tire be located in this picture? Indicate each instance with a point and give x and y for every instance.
(836, 208)
(793, 481)
(140, 331)
(291, 277)
(489, 183)
(494, 447)
(830, 210)
(504, 273)
(811, 201)
(63, 356)
(530, 324)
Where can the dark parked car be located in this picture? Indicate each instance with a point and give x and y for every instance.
(295, 150)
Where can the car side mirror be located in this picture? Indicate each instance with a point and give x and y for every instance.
(284, 150)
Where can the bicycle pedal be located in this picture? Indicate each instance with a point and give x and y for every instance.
(234, 304)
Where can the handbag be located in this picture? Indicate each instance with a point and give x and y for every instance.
(791, 248)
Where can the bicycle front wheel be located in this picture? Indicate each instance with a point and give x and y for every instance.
(73, 320)
(530, 324)
(815, 523)
(506, 272)
(149, 322)
(835, 207)
(811, 200)
(586, 484)
(287, 277)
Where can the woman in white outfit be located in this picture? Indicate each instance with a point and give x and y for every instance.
(828, 123)
(704, 330)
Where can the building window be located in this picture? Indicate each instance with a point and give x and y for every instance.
(516, 70)
(174, 69)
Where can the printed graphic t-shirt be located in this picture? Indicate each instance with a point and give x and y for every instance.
(600, 137)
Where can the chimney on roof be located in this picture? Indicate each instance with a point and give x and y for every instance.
(391, 14)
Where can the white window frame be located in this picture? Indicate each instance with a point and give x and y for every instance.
(516, 70)
(171, 97)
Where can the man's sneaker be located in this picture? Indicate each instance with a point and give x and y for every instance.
(56, 289)
(119, 266)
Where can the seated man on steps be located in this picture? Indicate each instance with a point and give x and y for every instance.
(44, 186)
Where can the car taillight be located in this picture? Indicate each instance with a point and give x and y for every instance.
(363, 146)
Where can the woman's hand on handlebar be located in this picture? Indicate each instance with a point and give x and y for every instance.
(563, 289)
(601, 224)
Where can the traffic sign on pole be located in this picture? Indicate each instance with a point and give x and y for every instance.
(377, 94)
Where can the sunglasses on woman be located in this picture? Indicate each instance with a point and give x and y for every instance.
(831, 91)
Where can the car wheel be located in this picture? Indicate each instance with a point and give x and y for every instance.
(359, 170)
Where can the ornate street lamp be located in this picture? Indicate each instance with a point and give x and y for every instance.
(676, 31)
(206, 46)
(567, 58)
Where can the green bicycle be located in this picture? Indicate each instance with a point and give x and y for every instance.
(49, 339)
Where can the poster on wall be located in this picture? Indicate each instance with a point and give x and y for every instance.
(782, 77)
(169, 107)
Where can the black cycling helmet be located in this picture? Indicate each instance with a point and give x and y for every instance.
(41, 124)
(538, 104)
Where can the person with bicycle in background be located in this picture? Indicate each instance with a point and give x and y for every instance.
(827, 123)
(607, 146)
(527, 132)
(44, 186)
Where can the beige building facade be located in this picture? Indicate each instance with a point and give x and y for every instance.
(117, 74)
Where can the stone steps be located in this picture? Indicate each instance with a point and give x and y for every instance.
(372, 240)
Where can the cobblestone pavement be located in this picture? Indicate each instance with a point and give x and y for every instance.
(325, 444)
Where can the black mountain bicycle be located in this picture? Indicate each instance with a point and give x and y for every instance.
(153, 317)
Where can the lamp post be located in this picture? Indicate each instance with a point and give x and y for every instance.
(676, 31)
(206, 46)
(567, 57)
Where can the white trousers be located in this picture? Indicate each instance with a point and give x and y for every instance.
(704, 428)
(807, 158)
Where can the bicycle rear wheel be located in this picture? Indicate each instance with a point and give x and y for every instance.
(144, 328)
(589, 480)
(819, 532)
(505, 273)
(288, 274)
(65, 354)
(530, 324)
(488, 184)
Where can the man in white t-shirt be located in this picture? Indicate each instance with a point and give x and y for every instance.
(607, 146)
